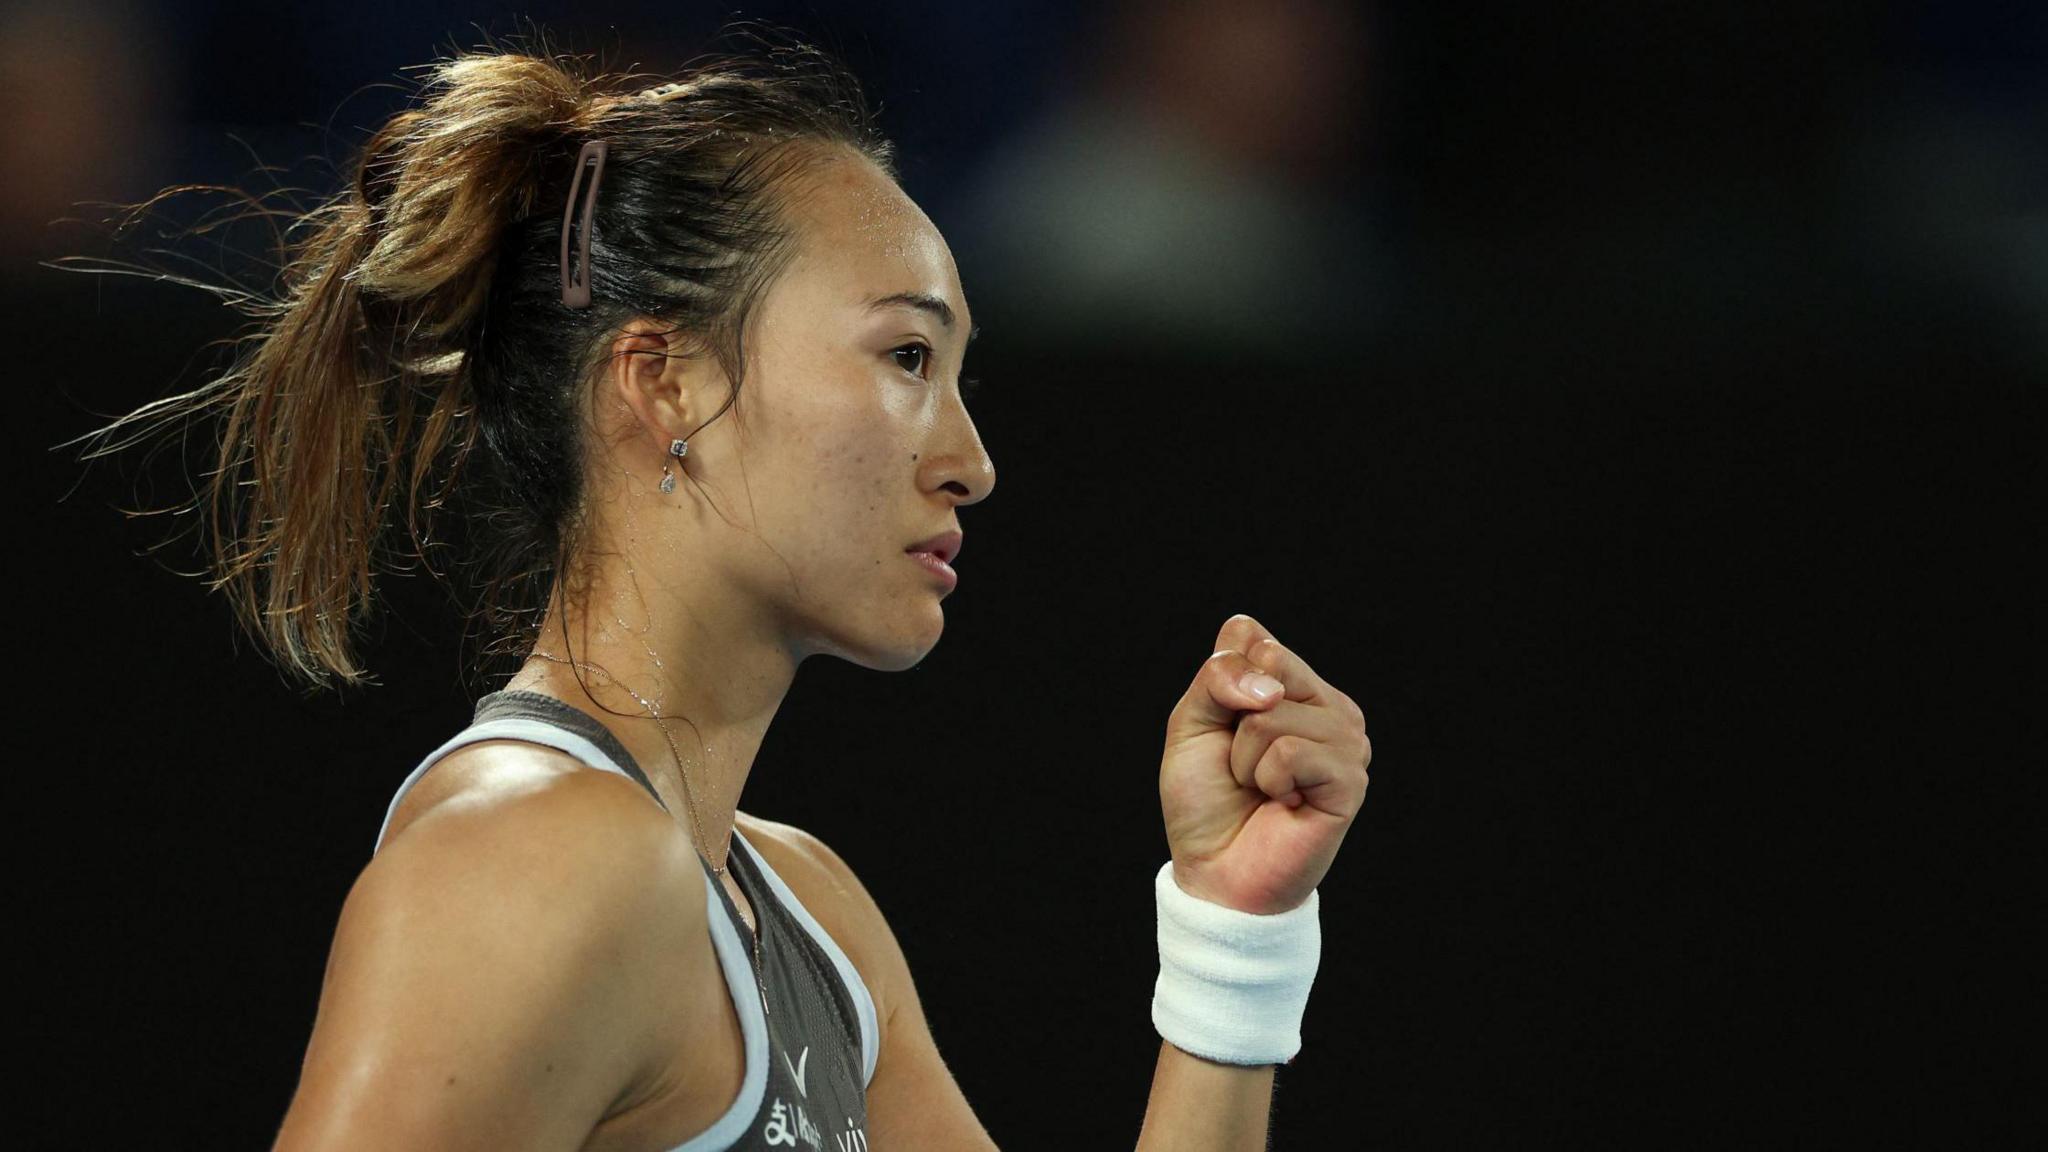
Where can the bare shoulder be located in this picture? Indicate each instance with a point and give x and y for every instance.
(513, 807)
(492, 964)
(836, 898)
(497, 774)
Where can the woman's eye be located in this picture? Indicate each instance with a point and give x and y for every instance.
(922, 353)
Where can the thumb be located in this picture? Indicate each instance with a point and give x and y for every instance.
(1227, 684)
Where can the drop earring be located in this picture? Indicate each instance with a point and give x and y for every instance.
(677, 449)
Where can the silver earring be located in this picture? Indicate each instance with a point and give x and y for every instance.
(677, 449)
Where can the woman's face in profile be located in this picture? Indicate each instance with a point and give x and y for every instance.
(857, 442)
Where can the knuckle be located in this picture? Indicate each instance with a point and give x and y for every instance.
(1240, 626)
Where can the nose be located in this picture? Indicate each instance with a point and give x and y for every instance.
(967, 475)
(975, 481)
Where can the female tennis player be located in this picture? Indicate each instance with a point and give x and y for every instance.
(568, 935)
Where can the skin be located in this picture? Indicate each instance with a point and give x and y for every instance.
(526, 962)
(785, 539)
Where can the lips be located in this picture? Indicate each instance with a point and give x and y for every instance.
(945, 546)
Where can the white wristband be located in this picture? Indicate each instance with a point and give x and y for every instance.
(1233, 985)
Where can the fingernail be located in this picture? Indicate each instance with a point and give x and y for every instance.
(1261, 685)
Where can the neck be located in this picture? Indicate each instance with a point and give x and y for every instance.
(715, 679)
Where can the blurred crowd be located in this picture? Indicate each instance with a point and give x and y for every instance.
(1178, 172)
(1210, 174)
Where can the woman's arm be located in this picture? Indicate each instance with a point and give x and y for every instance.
(913, 1100)
(491, 971)
(1199, 1104)
(1258, 790)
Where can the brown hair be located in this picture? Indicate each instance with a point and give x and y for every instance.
(420, 310)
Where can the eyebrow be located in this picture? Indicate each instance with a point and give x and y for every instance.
(923, 302)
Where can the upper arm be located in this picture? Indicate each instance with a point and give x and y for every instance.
(488, 972)
(913, 1100)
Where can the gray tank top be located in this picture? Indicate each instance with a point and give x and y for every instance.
(811, 1053)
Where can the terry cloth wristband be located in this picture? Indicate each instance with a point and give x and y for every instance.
(1233, 985)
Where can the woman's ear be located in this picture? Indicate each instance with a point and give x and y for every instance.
(659, 386)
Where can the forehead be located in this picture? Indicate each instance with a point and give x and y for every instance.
(861, 236)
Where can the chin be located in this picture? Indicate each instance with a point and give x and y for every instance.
(884, 659)
(905, 657)
(910, 639)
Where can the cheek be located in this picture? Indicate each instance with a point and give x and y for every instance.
(860, 462)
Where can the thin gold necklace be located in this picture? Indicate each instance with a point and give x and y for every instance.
(654, 713)
(760, 979)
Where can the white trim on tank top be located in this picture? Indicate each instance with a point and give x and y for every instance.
(735, 958)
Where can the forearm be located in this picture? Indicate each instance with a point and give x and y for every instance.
(1198, 1105)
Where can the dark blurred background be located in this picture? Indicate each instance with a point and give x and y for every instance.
(1630, 405)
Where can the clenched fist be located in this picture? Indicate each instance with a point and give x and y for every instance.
(1258, 791)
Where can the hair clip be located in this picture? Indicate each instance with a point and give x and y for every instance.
(575, 288)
